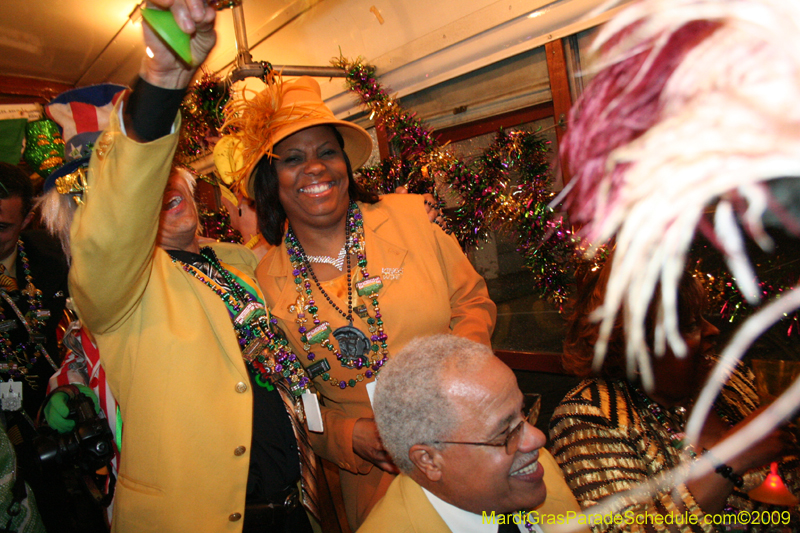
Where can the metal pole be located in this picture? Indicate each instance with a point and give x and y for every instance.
(316, 72)
(246, 68)
(256, 70)
(243, 56)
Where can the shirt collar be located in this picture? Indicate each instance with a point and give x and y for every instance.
(10, 263)
(464, 521)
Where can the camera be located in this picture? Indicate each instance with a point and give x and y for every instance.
(90, 445)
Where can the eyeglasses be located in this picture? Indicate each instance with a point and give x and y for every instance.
(511, 442)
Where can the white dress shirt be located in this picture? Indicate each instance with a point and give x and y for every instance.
(461, 521)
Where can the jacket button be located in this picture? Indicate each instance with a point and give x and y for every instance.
(103, 145)
(241, 386)
(235, 517)
(239, 451)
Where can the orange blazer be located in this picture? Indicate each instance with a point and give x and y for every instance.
(429, 287)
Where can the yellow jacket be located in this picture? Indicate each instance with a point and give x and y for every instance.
(406, 509)
(169, 350)
(429, 287)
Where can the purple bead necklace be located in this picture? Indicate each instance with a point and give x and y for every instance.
(319, 332)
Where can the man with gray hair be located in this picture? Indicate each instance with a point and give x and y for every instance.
(450, 414)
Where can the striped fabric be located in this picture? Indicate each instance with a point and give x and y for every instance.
(81, 365)
(606, 442)
(308, 470)
(82, 114)
(7, 282)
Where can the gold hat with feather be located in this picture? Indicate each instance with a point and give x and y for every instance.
(280, 110)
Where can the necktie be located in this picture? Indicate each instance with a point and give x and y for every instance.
(308, 462)
(508, 527)
(7, 282)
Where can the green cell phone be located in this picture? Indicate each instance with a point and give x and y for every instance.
(163, 23)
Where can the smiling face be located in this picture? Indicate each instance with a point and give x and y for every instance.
(177, 227)
(312, 178)
(488, 404)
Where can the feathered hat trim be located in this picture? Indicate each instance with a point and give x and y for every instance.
(282, 109)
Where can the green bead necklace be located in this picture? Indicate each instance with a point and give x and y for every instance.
(17, 362)
(320, 332)
(265, 350)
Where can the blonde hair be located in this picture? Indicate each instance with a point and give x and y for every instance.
(57, 211)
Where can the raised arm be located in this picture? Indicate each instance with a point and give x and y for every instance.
(114, 231)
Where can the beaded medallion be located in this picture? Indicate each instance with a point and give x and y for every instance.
(355, 350)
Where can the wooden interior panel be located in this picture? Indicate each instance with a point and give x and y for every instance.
(16, 90)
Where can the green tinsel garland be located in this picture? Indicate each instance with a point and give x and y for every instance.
(507, 189)
(202, 117)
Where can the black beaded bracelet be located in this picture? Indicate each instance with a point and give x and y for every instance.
(728, 473)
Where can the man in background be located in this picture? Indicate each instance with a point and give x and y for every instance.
(33, 291)
(33, 276)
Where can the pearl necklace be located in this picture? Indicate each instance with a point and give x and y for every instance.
(320, 332)
(265, 349)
